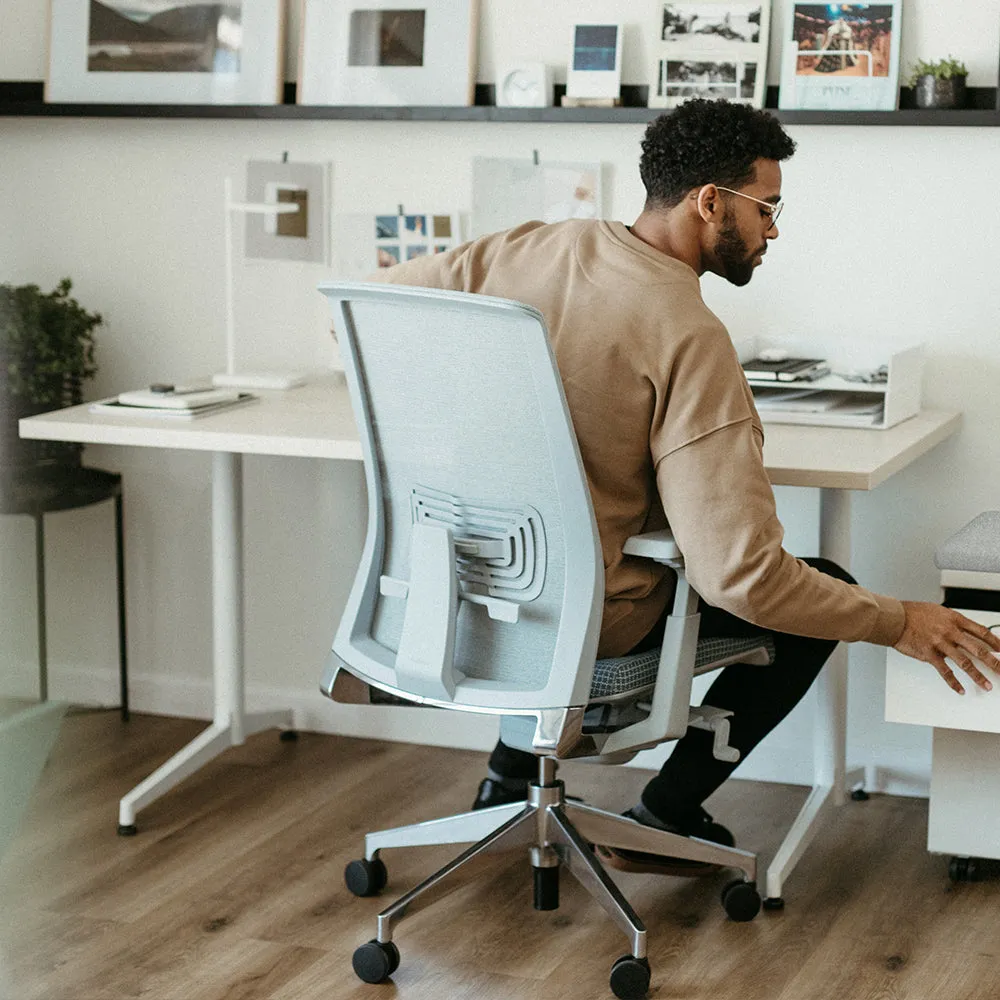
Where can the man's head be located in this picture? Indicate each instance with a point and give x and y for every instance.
(712, 169)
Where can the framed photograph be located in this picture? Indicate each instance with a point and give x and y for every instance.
(712, 49)
(595, 62)
(165, 52)
(841, 57)
(388, 52)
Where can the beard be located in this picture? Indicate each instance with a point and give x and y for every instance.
(731, 249)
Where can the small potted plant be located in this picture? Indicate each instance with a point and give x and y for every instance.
(939, 84)
(46, 353)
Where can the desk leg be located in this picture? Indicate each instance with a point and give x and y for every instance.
(830, 739)
(231, 724)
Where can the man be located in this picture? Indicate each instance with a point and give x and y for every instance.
(668, 433)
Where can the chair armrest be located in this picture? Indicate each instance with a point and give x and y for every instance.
(656, 545)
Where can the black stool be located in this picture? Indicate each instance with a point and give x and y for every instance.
(36, 491)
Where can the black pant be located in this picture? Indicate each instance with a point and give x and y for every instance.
(759, 697)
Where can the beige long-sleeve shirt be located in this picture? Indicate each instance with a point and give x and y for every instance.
(667, 429)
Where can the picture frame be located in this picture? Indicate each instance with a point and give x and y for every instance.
(709, 48)
(165, 52)
(841, 58)
(595, 61)
(388, 52)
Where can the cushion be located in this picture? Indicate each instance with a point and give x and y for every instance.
(620, 675)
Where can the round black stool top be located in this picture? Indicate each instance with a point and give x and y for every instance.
(38, 490)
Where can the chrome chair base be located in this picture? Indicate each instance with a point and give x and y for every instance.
(557, 834)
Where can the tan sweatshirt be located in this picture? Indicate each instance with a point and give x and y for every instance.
(667, 429)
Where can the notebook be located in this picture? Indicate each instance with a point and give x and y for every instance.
(118, 408)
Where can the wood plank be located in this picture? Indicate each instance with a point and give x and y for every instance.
(233, 889)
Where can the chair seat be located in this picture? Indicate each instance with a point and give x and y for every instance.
(40, 490)
(623, 675)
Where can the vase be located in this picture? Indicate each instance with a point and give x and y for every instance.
(935, 92)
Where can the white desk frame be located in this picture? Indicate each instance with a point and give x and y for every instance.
(837, 461)
(315, 421)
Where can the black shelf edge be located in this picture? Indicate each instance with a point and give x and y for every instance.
(25, 99)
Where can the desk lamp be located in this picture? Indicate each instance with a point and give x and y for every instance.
(230, 378)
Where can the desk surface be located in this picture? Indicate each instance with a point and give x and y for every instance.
(312, 421)
(315, 421)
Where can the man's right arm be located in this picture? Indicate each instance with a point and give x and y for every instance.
(720, 507)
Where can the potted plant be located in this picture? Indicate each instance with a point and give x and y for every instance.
(46, 353)
(939, 84)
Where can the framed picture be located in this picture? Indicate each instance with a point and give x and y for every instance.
(712, 49)
(595, 63)
(841, 57)
(165, 52)
(388, 52)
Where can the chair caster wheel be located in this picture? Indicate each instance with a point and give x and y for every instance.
(366, 878)
(375, 962)
(774, 903)
(964, 869)
(860, 795)
(127, 829)
(630, 978)
(288, 735)
(741, 901)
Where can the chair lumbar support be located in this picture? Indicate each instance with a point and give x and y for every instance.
(558, 833)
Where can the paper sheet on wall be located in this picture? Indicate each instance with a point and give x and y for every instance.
(506, 192)
(364, 242)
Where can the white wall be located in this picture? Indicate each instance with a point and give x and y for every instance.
(888, 230)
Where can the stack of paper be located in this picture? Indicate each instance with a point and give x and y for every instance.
(175, 403)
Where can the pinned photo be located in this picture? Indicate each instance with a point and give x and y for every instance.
(416, 224)
(387, 227)
(442, 227)
(417, 250)
(387, 256)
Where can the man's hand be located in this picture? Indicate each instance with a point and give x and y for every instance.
(933, 632)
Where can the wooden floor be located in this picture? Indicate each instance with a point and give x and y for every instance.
(233, 888)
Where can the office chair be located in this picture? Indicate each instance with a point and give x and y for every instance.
(481, 587)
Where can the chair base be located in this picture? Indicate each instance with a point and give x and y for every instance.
(557, 834)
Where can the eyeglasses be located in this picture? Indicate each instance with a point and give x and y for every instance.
(774, 210)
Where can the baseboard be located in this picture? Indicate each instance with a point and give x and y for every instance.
(192, 698)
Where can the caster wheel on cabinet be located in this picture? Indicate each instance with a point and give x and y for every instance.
(374, 962)
(774, 903)
(127, 829)
(741, 901)
(288, 735)
(366, 878)
(860, 795)
(964, 869)
(630, 978)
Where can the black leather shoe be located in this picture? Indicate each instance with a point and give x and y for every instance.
(494, 793)
(701, 825)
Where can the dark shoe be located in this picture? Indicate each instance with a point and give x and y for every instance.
(494, 793)
(701, 826)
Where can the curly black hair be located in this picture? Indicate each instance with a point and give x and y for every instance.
(707, 142)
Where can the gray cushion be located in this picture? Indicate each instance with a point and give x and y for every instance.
(976, 547)
(622, 674)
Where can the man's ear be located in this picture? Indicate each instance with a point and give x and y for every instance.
(708, 203)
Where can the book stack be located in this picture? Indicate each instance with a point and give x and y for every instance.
(177, 403)
(786, 370)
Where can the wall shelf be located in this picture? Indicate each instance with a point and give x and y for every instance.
(24, 99)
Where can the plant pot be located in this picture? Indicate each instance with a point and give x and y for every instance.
(934, 92)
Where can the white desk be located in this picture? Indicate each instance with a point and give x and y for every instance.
(315, 421)
(837, 460)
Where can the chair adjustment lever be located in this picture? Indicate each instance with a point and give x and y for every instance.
(716, 721)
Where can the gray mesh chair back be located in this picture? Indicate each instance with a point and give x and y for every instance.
(471, 463)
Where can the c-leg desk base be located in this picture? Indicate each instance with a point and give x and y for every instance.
(231, 723)
(830, 777)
